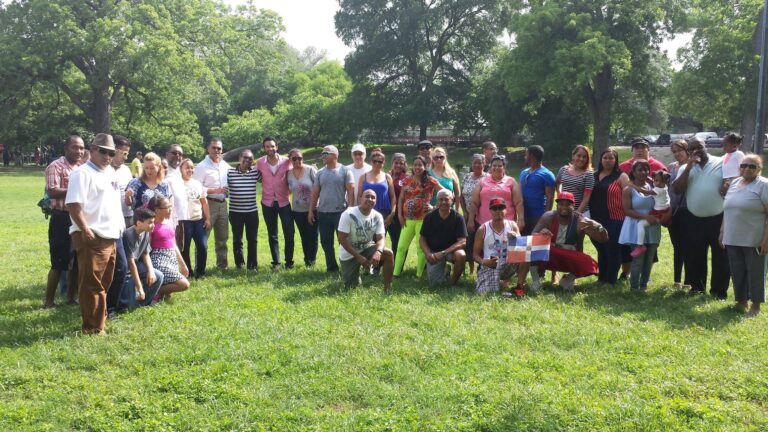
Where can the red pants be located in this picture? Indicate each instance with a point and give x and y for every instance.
(569, 261)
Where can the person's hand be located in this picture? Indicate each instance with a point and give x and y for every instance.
(694, 159)
(375, 259)
(89, 234)
(140, 295)
(653, 220)
(129, 197)
(402, 221)
(207, 225)
(388, 220)
(362, 261)
(763, 248)
(311, 217)
(546, 232)
(491, 262)
(151, 278)
(431, 258)
(720, 240)
(184, 270)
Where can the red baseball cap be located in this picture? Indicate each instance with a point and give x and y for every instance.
(497, 202)
(566, 196)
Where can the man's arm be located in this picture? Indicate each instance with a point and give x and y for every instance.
(681, 182)
(313, 204)
(78, 217)
(136, 279)
(344, 242)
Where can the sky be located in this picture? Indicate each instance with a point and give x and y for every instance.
(310, 23)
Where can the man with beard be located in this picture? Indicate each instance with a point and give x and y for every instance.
(243, 209)
(275, 201)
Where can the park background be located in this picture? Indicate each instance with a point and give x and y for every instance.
(292, 351)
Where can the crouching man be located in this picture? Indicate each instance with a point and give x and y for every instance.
(361, 237)
(136, 243)
(567, 229)
(443, 237)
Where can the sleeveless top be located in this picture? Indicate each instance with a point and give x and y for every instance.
(494, 189)
(163, 236)
(495, 243)
(446, 182)
(605, 203)
(382, 194)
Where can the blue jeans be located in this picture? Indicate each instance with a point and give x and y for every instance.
(195, 230)
(308, 235)
(286, 221)
(641, 268)
(327, 224)
(118, 280)
(149, 292)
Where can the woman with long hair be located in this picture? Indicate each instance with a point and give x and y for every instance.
(577, 178)
(468, 185)
(151, 183)
(399, 172)
(606, 208)
(680, 212)
(496, 185)
(165, 255)
(300, 178)
(412, 206)
(380, 182)
(442, 172)
(198, 225)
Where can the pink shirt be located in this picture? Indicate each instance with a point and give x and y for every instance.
(494, 189)
(273, 186)
(163, 236)
(57, 176)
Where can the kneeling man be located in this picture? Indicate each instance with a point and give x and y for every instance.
(442, 238)
(361, 237)
(566, 228)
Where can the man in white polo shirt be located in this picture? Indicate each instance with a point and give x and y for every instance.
(701, 179)
(212, 173)
(93, 201)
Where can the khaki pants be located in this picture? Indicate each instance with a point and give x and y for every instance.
(220, 226)
(96, 266)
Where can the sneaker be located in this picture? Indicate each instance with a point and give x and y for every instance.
(636, 252)
(752, 313)
(568, 281)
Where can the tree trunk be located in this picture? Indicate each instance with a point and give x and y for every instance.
(423, 131)
(599, 101)
(748, 119)
(101, 112)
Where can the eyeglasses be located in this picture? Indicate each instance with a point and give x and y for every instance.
(217, 149)
(176, 153)
(105, 152)
(326, 153)
(297, 158)
(377, 161)
(422, 148)
(438, 157)
(498, 208)
(750, 166)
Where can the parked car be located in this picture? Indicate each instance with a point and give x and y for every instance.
(714, 141)
(705, 135)
(665, 139)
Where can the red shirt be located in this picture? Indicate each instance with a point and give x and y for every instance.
(626, 166)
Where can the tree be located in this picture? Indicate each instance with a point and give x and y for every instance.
(417, 55)
(584, 51)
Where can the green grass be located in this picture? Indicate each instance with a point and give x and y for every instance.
(292, 351)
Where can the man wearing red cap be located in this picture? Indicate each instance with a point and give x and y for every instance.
(490, 251)
(566, 228)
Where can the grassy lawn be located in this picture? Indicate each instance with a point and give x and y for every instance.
(292, 351)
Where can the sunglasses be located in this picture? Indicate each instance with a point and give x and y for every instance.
(750, 166)
(297, 158)
(326, 153)
(176, 153)
(498, 208)
(377, 161)
(438, 157)
(105, 152)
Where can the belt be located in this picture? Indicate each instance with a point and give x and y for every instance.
(60, 211)
(218, 200)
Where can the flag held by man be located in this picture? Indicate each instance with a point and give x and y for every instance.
(530, 248)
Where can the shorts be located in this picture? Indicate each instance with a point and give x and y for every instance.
(436, 272)
(350, 269)
(59, 241)
(660, 213)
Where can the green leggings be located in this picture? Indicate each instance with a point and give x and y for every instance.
(411, 229)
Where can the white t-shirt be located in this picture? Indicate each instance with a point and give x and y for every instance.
(194, 191)
(178, 194)
(356, 174)
(731, 162)
(361, 230)
(123, 177)
(661, 199)
(97, 192)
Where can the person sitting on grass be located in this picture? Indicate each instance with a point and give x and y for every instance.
(490, 251)
(165, 255)
(361, 237)
(136, 241)
(566, 228)
(442, 238)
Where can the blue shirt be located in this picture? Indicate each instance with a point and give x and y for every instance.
(533, 185)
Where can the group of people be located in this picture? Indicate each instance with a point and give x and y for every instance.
(132, 229)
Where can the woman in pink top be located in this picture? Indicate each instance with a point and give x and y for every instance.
(496, 185)
(165, 256)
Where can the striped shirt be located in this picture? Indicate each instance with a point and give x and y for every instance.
(577, 185)
(242, 190)
(57, 177)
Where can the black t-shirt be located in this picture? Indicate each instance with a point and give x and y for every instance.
(442, 233)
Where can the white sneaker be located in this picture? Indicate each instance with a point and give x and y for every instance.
(567, 282)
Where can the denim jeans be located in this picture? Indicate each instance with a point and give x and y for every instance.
(195, 230)
(327, 224)
(249, 221)
(641, 268)
(118, 280)
(149, 292)
(308, 235)
(271, 214)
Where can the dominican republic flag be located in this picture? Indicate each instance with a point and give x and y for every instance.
(528, 249)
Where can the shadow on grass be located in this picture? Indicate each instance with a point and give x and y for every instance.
(678, 309)
(23, 321)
